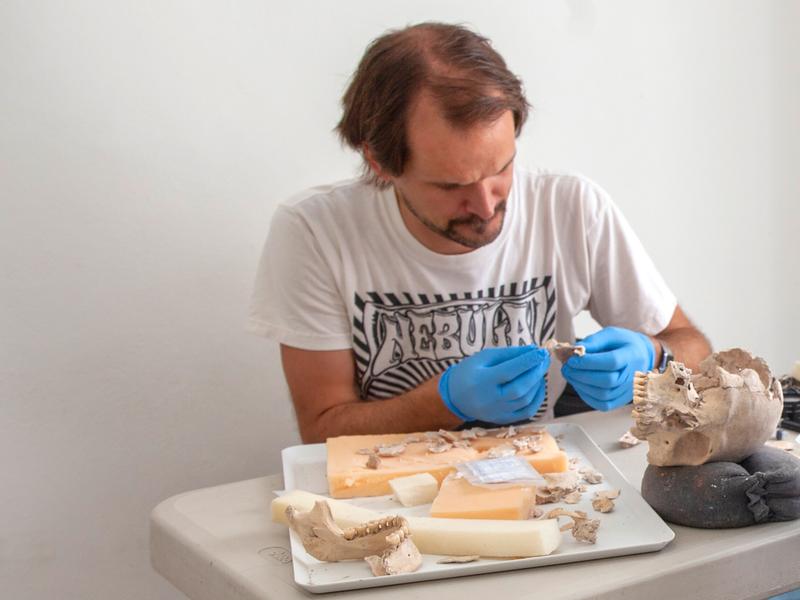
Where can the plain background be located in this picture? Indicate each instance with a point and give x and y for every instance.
(145, 145)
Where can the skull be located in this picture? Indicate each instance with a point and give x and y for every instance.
(724, 413)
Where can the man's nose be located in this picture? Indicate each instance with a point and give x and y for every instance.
(481, 202)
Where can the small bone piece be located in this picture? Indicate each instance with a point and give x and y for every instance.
(583, 528)
(559, 486)
(326, 541)
(374, 461)
(567, 481)
(523, 444)
(507, 432)
(468, 434)
(413, 439)
(390, 449)
(562, 350)
(404, 558)
(591, 476)
(603, 501)
(439, 447)
(462, 444)
(628, 440)
(573, 497)
(724, 413)
(457, 559)
(529, 429)
(448, 435)
(501, 451)
(479, 431)
(433, 436)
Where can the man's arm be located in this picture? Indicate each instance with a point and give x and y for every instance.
(687, 343)
(323, 389)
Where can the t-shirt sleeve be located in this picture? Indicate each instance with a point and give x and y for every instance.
(626, 288)
(295, 299)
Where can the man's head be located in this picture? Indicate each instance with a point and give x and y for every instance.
(435, 113)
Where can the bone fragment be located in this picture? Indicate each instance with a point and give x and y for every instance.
(559, 487)
(501, 451)
(628, 440)
(458, 559)
(507, 432)
(582, 527)
(448, 435)
(591, 476)
(387, 450)
(374, 461)
(439, 447)
(404, 558)
(603, 501)
(562, 350)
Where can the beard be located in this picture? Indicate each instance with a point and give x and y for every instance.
(472, 232)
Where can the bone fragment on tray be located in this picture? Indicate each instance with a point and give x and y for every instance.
(507, 432)
(387, 450)
(374, 461)
(458, 559)
(603, 501)
(563, 350)
(386, 539)
(405, 558)
(582, 527)
(560, 486)
(628, 440)
(724, 413)
(501, 451)
(591, 476)
(439, 447)
(449, 435)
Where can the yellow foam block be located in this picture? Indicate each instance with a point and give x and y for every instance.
(349, 477)
(458, 499)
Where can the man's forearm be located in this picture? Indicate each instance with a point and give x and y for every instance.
(688, 345)
(420, 409)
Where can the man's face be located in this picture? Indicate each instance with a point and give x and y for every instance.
(452, 193)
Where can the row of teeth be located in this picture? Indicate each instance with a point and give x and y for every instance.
(373, 527)
(639, 386)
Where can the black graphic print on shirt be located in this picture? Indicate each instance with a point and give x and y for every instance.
(401, 339)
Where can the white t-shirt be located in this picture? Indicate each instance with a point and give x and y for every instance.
(341, 270)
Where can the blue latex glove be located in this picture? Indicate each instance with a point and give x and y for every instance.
(603, 377)
(498, 385)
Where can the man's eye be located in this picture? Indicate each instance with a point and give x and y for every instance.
(448, 186)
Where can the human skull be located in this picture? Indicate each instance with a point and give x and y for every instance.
(724, 413)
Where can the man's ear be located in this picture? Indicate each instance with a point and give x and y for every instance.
(379, 171)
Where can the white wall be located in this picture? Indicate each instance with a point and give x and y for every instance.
(144, 146)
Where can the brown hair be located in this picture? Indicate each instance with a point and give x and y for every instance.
(459, 67)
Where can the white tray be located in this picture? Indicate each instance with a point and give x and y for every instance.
(631, 528)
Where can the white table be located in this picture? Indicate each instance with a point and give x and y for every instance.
(219, 544)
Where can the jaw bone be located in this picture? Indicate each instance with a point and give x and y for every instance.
(385, 541)
(724, 413)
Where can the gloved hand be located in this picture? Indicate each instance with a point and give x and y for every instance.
(603, 377)
(498, 385)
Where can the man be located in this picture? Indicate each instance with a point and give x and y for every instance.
(418, 297)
